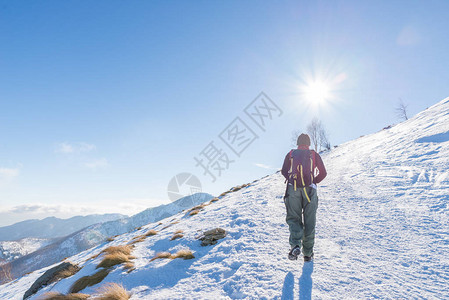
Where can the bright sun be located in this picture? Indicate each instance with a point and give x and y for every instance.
(316, 92)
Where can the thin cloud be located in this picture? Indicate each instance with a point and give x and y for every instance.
(8, 173)
(263, 166)
(74, 148)
(97, 164)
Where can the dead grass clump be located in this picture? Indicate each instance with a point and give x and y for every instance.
(179, 231)
(91, 280)
(151, 232)
(224, 194)
(174, 222)
(125, 249)
(110, 239)
(184, 254)
(112, 291)
(129, 266)
(176, 236)
(237, 188)
(194, 212)
(161, 255)
(213, 200)
(137, 239)
(71, 270)
(59, 296)
(111, 260)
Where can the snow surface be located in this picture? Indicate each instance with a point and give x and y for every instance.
(382, 231)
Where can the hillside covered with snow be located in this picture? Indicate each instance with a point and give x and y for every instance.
(95, 234)
(382, 231)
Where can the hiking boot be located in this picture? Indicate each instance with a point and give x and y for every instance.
(294, 252)
(308, 258)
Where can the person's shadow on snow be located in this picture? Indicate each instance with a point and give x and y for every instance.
(287, 289)
(305, 281)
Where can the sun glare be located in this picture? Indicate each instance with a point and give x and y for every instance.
(316, 92)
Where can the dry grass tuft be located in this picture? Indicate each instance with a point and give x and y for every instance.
(112, 291)
(185, 254)
(59, 296)
(176, 236)
(151, 232)
(129, 266)
(91, 280)
(111, 260)
(179, 231)
(137, 239)
(71, 270)
(161, 255)
(224, 194)
(110, 239)
(174, 222)
(194, 212)
(124, 249)
(213, 200)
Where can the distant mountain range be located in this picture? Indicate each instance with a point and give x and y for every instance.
(51, 227)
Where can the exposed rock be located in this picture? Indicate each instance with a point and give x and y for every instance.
(63, 270)
(211, 237)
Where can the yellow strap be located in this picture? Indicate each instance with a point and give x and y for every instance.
(305, 191)
(311, 169)
(294, 182)
(307, 196)
(302, 177)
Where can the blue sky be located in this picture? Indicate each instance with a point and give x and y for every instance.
(103, 102)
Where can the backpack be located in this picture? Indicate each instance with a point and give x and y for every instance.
(302, 166)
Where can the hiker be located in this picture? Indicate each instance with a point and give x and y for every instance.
(303, 169)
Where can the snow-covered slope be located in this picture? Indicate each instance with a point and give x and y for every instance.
(51, 227)
(382, 231)
(98, 233)
(10, 250)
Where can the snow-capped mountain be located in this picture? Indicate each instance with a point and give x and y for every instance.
(98, 233)
(52, 227)
(382, 232)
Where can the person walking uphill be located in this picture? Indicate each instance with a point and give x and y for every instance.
(303, 169)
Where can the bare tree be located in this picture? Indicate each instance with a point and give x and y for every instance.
(324, 139)
(319, 137)
(401, 110)
(313, 130)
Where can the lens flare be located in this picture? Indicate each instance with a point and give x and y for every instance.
(317, 92)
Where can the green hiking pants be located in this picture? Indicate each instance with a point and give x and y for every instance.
(301, 217)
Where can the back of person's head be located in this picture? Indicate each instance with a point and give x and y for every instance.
(303, 139)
